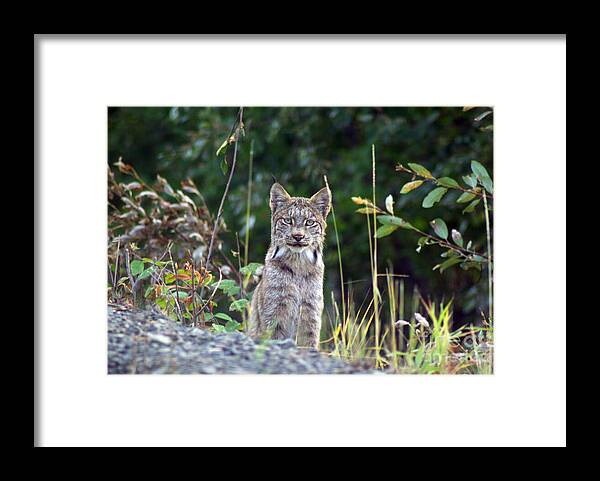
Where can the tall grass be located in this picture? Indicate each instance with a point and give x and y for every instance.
(382, 332)
(248, 203)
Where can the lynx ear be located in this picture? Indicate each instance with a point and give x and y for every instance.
(322, 201)
(278, 197)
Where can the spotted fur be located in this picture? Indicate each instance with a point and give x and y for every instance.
(288, 301)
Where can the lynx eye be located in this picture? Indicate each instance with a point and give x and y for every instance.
(309, 222)
(287, 220)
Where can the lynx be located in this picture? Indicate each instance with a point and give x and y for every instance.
(288, 301)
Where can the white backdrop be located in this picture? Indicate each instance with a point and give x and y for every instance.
(523, 404)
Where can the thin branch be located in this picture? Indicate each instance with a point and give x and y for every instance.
(114, 292)
(193, 289)
(238, 123)
(433, 180)
(489, 247)
(181, 319)
(248, 202)
(438, 240)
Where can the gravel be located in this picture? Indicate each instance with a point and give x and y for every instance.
(146, 342)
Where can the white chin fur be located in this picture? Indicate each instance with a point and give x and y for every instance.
(307, 251)
(310, 255)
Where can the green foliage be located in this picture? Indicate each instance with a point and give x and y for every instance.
(385, 230)
(434, 197)
(477, 184)
(229, 287)
(168, 224)
(410, 186)
(420, 170)
(423, 342)
(440, 228)
(482, 176)
(298, 146)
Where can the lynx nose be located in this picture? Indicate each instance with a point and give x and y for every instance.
(298, 237)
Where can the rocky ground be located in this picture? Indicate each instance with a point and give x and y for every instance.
(145, 342)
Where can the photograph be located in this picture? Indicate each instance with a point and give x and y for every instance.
(290, 240)
(300, 240)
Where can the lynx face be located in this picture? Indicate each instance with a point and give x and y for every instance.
(298, 223)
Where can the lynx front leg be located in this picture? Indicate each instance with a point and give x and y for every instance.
(309, 325)
(280, 315)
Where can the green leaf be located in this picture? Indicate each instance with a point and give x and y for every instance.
(483, 176)
(229, 287)
(251, 268)
(471, 206)
(232, 326)
(449, 263)
(488, 184)
(448, 182)
(422, 171)
(146, 273)
(224, 165)
(393, 220)
(440, 227)
(223, 146)
(219, 328)
(226, 284)
(148, 291)
(238, 305)
(434, 197)
(465, 197)
(409, 186)
(457, 238)
(385, 230)
(137, 267)
(366, 210)
(225, 317)
(470, 180)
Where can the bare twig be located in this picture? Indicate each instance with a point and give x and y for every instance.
(181, 319)
(248, 202)
(236, 129)
(114, 292)
(213, 293)
(489, 248)
(193, 293)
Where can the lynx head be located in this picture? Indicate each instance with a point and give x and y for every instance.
(298, 223)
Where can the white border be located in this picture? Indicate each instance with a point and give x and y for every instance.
(522, 404)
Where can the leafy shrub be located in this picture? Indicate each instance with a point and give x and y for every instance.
(158, 237)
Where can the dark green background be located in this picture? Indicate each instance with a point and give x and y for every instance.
(298, 146)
